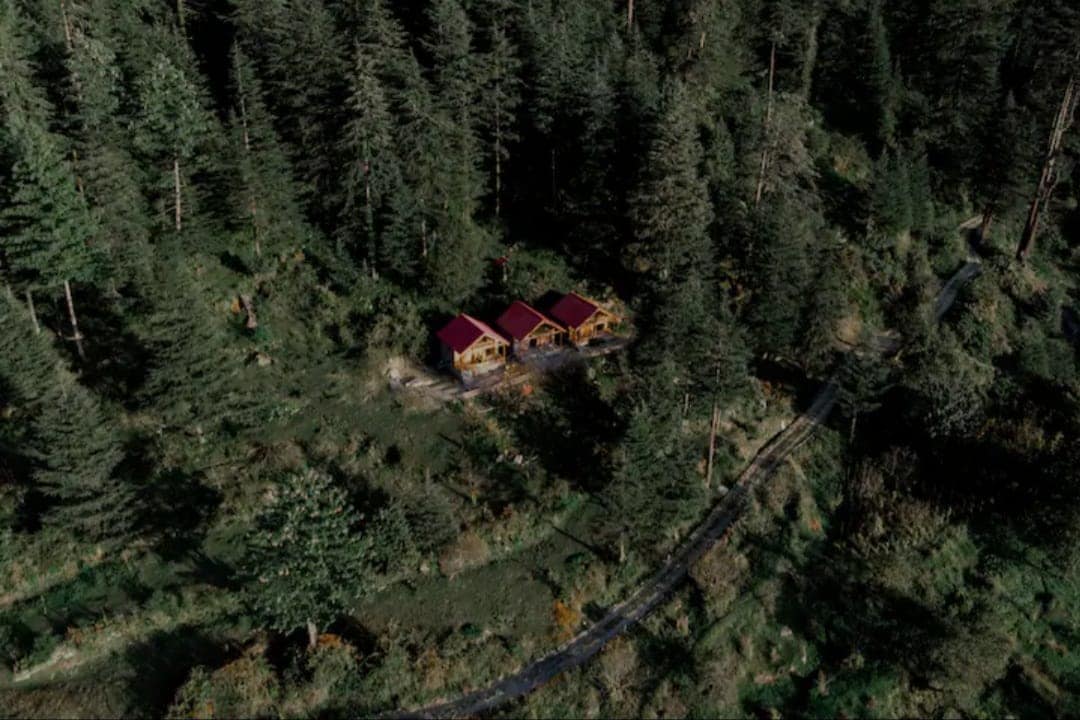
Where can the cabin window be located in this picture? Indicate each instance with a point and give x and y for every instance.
(533, 343)
(600, 327)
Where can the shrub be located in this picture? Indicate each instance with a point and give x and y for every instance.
(468, 551)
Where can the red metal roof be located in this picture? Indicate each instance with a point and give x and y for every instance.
(572, 310)
(520, 319)
(463, 331)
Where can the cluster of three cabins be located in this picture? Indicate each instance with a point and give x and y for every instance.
(471, 347)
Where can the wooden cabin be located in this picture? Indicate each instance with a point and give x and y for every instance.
(583, 318)
(529, 329)
(472, 347)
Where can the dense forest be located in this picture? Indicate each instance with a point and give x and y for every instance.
(227, 227)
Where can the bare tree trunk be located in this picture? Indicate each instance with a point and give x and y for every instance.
(984, 226)
(243, 109)
(67, 25)
(767, 129)
(177, 200)
(181, 16)
(1048, 176)
(76, 335)
(33, 313)
(313, 634)
(554, 184)
(629, 14)
(498, 162)
(714, 426)
(249, 308)
(810, 57)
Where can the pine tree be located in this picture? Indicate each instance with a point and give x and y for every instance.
(303, 62)
(106, 174)
(781, 270)
(306, 564)
(197, 379)
(266, 194)
(73, 445)
(19, 94)
(460, 246)
(43, 218)
(371, 166)
(879, 77)
(170, 127)
(501, 93)
(655, 486)
(671, 209)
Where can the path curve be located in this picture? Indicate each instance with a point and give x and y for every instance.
(647, 597)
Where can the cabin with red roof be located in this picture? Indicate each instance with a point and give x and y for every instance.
(529, 329)
(584, 319)
(472, 347)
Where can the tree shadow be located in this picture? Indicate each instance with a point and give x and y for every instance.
(571, 429)
(116, 360)
(175, 507)
(163, 662)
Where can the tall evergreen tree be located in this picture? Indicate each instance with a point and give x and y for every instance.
(170, 127)
(267, 195)
(106, 173)
(460, 246)
(501, 92)
(43, 219)
(72, 443)
(371, 165)
(671, 209)
(198, 378)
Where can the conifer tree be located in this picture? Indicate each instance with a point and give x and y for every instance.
(307, 564)
(74, 447)
(198, 377)
(267, 195)
(671, 209)
(170, 127)
(501, 93)
(460, 246)
(303, 63)
(879, 76)
(106, 174)
(371, 166)
(19, 95)
(43, 218)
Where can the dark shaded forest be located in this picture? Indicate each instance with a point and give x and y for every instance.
(229, 227)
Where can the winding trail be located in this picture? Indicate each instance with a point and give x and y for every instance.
(647, 597)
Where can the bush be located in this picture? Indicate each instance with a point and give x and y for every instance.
(468, 551)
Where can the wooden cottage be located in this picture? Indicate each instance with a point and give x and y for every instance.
(471, 347)
(584, 319)
(529, 329)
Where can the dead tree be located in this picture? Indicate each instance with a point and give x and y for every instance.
(249, 309)
(177, 199)
(714, 426)
(767, 130)
(253, 206)
(75, 334)
(1048, 177)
